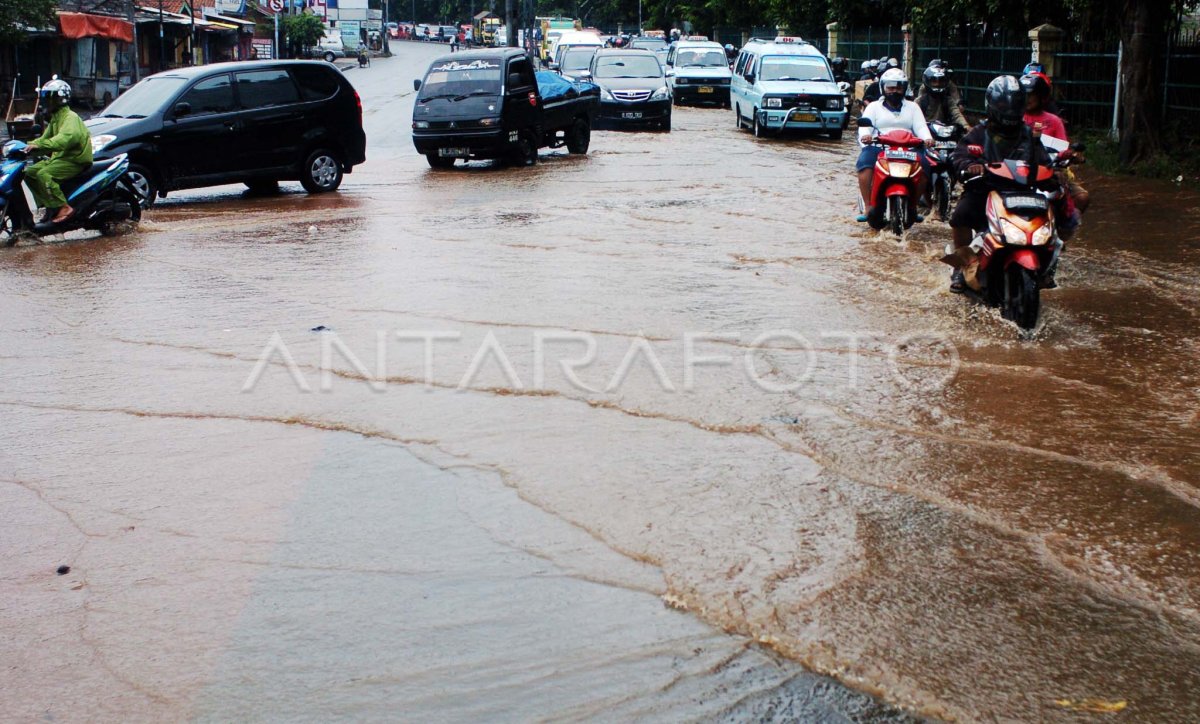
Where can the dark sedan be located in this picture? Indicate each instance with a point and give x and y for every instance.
(633, 88)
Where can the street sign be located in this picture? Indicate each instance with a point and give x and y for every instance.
(276, 6)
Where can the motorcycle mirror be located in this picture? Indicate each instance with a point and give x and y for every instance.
(416, 84)
(36, 129)
(1079, 147)
(864, 123)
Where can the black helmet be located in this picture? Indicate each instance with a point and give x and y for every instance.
(935, 79)
(1005, 103)
(838, 64)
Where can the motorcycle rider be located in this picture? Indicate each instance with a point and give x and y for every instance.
(882, 65)
(940, 99)
(68, 144)
(1003, 136)
(1041, 121)
(891, 112)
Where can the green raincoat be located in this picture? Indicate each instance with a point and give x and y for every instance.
(69, 145)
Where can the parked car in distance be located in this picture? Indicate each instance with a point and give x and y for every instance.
(633, 88)
(252, 122)
(329, 48)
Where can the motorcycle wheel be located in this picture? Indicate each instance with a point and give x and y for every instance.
(1022, 303)
(8, 230)
(942, 191)
(116, 228)
(897, 211)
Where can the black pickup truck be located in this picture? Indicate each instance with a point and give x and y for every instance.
(490, 104)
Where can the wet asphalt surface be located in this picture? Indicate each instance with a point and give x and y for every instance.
(865, 477)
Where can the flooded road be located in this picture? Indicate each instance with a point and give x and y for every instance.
(652, 433)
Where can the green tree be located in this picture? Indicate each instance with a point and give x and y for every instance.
(16, 16)
(301, 31)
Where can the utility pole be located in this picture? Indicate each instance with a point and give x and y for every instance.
(162, 42)
(639, 32)
(133, 66)
(510, 24)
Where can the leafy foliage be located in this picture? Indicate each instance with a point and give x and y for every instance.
(302, 31)
(17, 15)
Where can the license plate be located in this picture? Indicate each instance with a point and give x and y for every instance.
(902, 155)
(804, 117)
(706, 89)
(631, 116)
(1031, 203)
(454, 152)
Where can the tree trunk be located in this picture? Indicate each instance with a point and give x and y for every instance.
(1143, 31)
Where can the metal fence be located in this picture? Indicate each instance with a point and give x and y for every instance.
(859, 44)
(1086, 83)
(976, 61)
(1181, 88)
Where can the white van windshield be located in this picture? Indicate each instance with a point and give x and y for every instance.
(701, 59)
(793, 67)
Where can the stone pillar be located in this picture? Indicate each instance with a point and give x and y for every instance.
(906, 63)
(832, 29)
(1044, 41)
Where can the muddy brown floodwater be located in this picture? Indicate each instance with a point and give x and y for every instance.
(789, 450)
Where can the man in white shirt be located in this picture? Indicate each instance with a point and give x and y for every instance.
(889, 113)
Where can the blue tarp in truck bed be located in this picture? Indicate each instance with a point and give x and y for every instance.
(554, 87)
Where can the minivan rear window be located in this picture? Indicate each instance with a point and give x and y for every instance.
(316, 82)
(265, 88)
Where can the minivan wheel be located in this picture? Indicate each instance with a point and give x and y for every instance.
(436, 161)
(322, 172)
(329, 56)
(141, 180)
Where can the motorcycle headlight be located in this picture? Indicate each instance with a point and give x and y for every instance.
(774, 103)
(1013, 235)
(901, 169)
(661, 94)
(99, 142)
(1042, 236)
(834, 104)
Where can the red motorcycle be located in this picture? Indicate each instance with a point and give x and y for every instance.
(1009, 262)
(894, 187)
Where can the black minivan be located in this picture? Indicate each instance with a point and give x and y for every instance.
(255, 122)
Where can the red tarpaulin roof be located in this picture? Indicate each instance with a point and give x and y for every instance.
(82, 25)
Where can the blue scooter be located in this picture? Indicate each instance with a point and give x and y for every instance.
(102, 197)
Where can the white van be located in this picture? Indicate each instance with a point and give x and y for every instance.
(572, 39)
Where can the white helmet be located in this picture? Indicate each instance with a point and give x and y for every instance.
(893, 75)
(55, 87)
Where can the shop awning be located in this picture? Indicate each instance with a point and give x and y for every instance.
(83, 25)
(220, 25)
(247, 24)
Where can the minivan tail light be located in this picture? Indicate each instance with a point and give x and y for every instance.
(358, 102)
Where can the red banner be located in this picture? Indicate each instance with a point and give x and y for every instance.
(82, 25)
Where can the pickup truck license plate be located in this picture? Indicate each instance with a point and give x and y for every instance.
(632, 116)
(453, 152)
(804, 117)
(706, 89)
